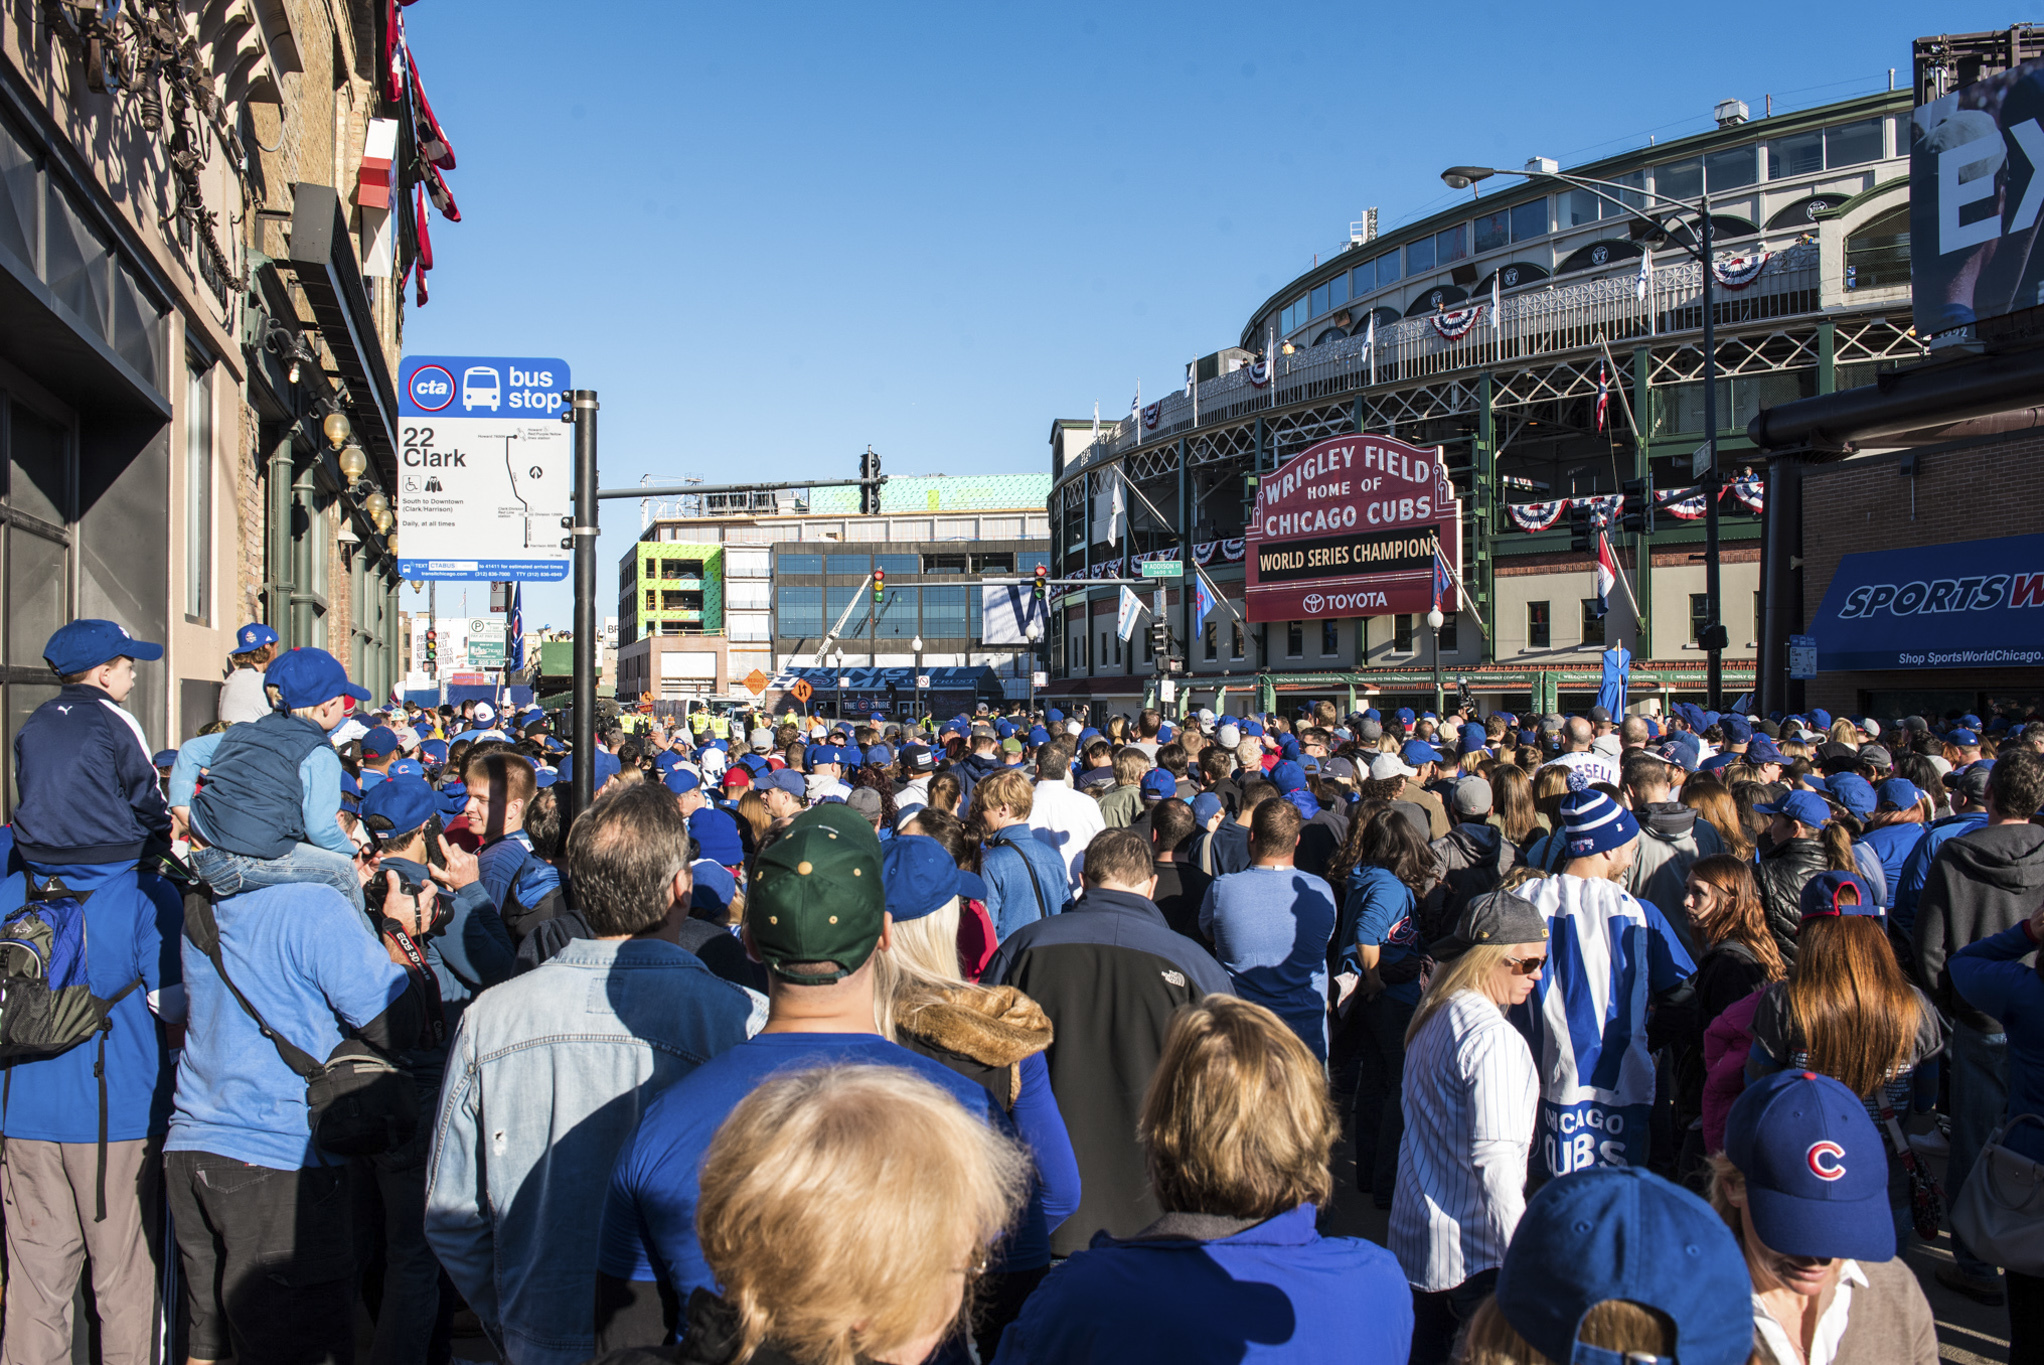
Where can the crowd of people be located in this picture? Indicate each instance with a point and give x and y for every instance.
(1019, 1036)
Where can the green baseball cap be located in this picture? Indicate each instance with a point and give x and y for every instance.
(815, 895)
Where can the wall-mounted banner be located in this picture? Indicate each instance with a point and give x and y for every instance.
(1974, 604)
(1348, 528)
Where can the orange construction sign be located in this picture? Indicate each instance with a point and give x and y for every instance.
(756, 682)
(802, 690)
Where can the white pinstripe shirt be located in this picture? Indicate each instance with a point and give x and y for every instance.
(1471, 1097)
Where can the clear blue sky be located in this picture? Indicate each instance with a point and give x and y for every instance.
(769, 238)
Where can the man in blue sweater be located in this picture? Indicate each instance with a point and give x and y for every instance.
(83, 1130)
(1025, 876)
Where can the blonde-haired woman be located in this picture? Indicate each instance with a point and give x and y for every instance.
(846, 1212)
(1471, 1100)
(994, 1035)
(1237, 1131)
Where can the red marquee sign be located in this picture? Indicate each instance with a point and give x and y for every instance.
(1348, 528)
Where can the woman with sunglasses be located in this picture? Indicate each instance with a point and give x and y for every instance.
(1471, 1097)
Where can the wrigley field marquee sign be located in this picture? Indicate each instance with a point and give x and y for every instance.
(1349, 527)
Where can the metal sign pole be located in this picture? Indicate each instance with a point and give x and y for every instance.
(582, 412)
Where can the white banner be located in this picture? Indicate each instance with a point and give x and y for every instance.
(1009, 613)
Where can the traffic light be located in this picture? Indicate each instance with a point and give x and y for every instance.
(1160, 640)
(1582, 529)
(869, 483)
(1042, 583)
(432, 650)
(879, 586)
(1249, 486)
(1639, 507)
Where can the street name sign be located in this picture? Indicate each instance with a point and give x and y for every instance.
(484, 468)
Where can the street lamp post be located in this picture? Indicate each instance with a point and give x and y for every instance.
(837, 677)
(1714, 637)
(917, 645)
(1434, 623)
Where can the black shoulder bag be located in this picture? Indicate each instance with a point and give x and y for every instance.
(357, 1102)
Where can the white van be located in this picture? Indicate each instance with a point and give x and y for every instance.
(479, 388)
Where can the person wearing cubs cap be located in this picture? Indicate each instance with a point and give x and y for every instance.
(242, 698)
(1803, 1184)
(816, 916)
(267, 812)
(1614, 957)
(1470, 1099)
(1616, 1267)
(1799, 842)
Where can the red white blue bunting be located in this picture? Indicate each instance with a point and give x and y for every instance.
(1736, 272)
(1259, 373)
(1458, 324)
(1151, 414)
(1536, 516)
(1750, 492)
(1688, 504)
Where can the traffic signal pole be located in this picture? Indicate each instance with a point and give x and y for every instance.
(582, 413)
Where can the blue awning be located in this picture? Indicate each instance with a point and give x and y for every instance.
(1972, 604)
(880, 679)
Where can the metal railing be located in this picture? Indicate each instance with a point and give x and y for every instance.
(1537, 322)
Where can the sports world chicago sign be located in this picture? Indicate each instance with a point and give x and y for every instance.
(1349, 528)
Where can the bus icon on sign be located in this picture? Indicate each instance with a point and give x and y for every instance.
(479, 389)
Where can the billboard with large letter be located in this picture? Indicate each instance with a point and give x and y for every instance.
(1972, 604)
(1349, 527)
(1976, 192)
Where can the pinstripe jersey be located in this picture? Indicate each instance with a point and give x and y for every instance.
(1470, 1099)
(1608, 954)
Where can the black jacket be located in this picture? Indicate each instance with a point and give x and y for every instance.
(89, 793)
(1473, 858)
(1981, 884)
(1781, 872)
(1110, 974)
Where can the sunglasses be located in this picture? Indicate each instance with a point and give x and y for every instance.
(1525, 966)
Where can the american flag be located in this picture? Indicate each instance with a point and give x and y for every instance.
(1603, 394)
(514, 647)
(1444, 578)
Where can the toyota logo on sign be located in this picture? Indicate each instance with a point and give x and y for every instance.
(1312, 603)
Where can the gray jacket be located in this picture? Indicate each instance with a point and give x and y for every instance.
(546, 1079)
(1671, 839)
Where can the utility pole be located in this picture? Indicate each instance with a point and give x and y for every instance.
(582, 531)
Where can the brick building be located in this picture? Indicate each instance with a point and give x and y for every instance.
(205, 231)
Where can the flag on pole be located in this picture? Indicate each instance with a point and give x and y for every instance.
(1607, 571)
(1646, 274)
(1444, 578)
(1128, 613)
(1117, 509)
(1603, 394)
(1202, 602)
(1096, 422)
(1497, 317)
(1135, 405)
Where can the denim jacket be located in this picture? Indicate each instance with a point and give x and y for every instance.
(546, 1079)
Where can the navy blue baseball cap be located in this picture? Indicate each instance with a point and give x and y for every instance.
(1899, 792)
(1159, 782)
(1805, 807)
(311, 677)
(1854, 793)
(716, 836)
(84, 645)
(783, 779)
(1962, 737)
(1417, 752)
(380, 740)
(405, 767)
(1815, 1169)
(1761, 749)
(1827, 894)
(165, 758)
(680, 780)
(399, 805)
(1621, 1232)
(453, 799)
(880, 755)
(712, 885)
(433, 750)
(253, 636)
(920, 877)
(603, 767)
(1737, 729)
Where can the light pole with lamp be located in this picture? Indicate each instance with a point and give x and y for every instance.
(1434, 623)
(837, 677)
(1713, 637)
(917, 645)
